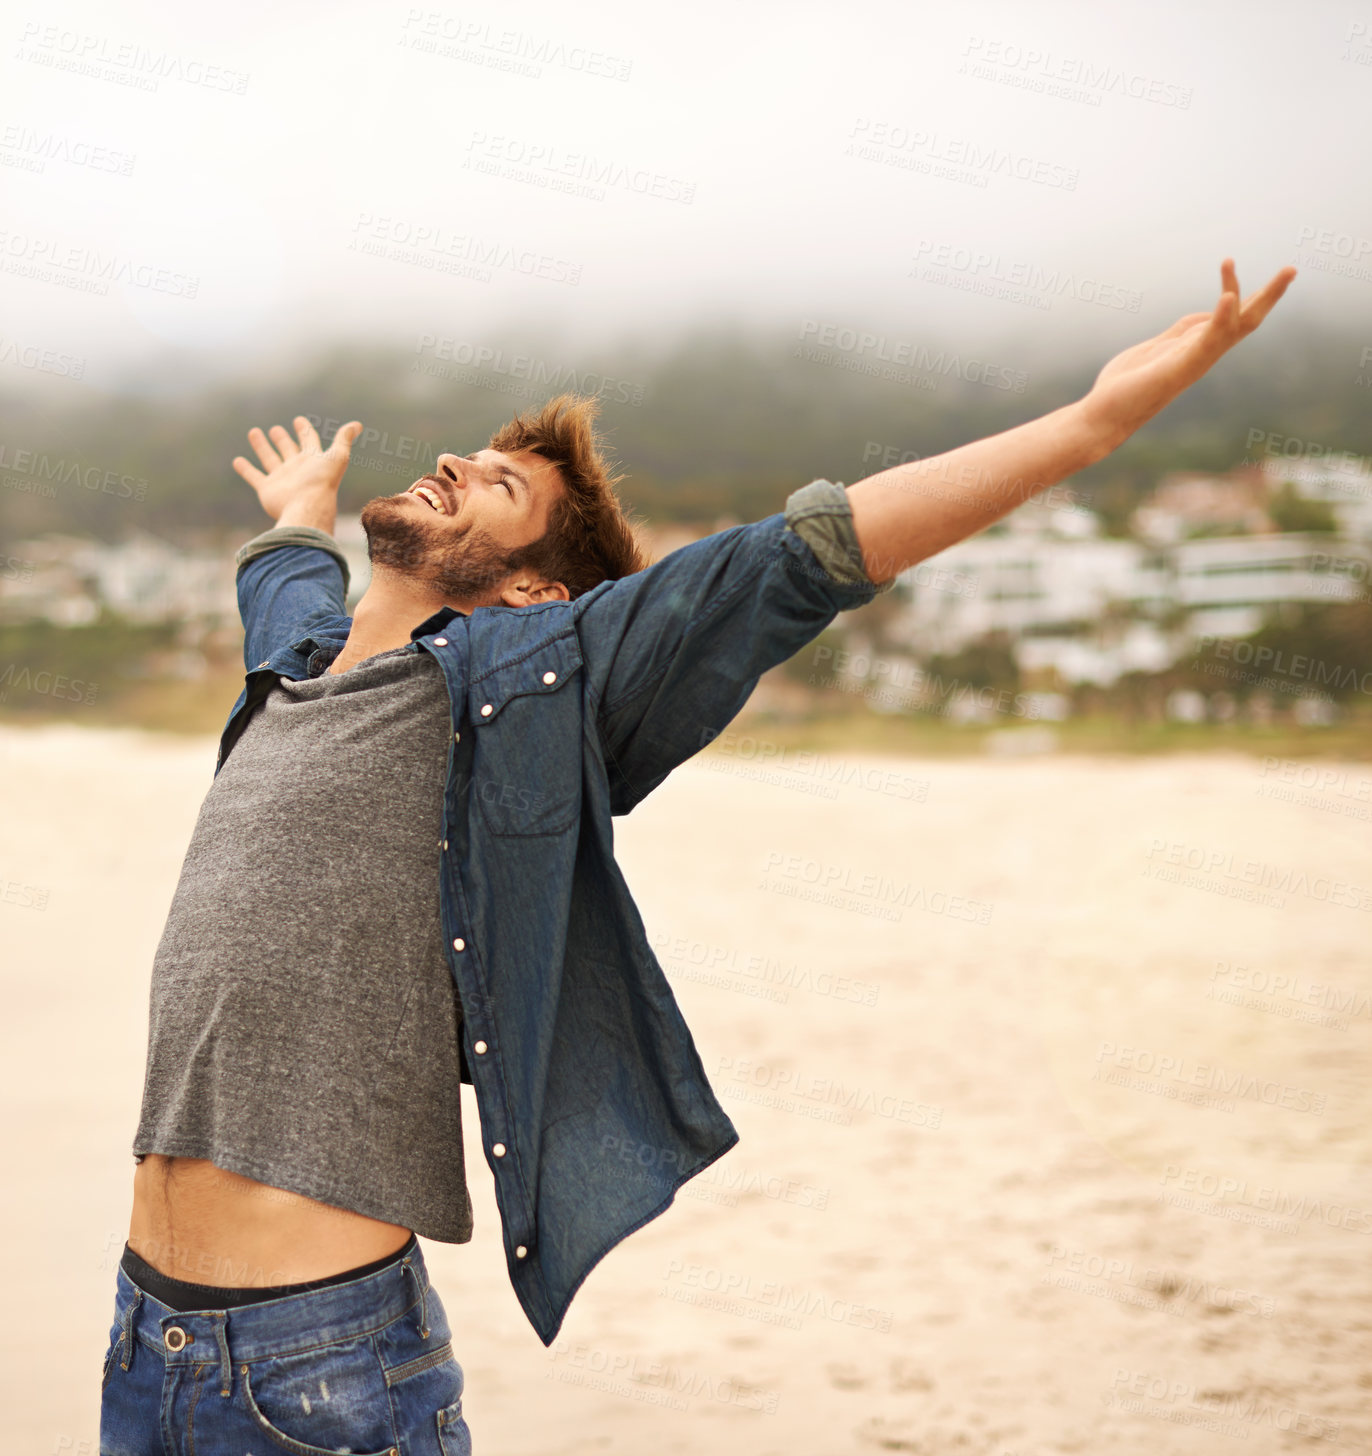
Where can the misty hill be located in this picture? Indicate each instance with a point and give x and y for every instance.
(714, 426)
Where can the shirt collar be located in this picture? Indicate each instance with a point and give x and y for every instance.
(436, 623)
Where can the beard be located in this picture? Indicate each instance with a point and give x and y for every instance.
(459, 565)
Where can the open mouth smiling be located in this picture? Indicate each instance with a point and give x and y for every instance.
(431, 497)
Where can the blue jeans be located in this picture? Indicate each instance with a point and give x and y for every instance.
(364, 1367)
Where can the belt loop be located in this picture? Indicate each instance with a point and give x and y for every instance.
(128, 1327)
(423, 1298)
(221, 1333)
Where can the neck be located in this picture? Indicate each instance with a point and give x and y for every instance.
(387, 612)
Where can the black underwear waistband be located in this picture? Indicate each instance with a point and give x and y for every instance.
(181, 1296)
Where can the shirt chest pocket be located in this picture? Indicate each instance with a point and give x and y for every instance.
(526, 715)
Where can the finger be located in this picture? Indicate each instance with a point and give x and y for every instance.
(1229, 278)
(249, 472)
(1258, 305)
(281, 437)
(269, 458)
(343, 440)
(309, 440)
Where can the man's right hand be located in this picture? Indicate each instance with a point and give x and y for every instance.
(301, 480)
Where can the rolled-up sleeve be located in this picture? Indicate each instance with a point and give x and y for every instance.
(276, 536)
(822, 516)
(288, 578)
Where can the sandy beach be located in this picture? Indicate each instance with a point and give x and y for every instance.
(1051, 1074)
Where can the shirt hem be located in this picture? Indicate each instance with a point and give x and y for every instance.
(230, 1162)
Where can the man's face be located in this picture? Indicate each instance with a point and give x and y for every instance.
(461, 529)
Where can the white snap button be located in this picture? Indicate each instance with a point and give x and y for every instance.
(445, 844)
(480, 1047)
(499, 1150)
(263, 664)
(440, 641)
(457, 738)
(520, 1251)
(549, 677)
(459, 944)
(486, 710)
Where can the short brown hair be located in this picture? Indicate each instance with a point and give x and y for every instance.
(590, 538)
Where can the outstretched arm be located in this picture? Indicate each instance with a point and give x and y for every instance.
(910, 512)
(294, 572)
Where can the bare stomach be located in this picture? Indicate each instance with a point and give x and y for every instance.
(196, 1222)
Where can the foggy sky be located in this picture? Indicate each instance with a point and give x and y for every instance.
(254, 183)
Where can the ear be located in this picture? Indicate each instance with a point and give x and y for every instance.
(524, 592)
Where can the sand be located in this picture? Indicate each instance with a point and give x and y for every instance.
(1051, 1076)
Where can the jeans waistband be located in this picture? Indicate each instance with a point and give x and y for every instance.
(290, 1324)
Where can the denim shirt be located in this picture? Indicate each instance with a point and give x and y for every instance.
(594, 1104)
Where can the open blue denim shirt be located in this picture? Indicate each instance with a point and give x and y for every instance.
(594, 1103)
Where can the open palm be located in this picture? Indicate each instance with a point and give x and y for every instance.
(296, 472)
(1141, 380)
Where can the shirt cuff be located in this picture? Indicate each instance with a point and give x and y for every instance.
(822, 516)
(269, 540)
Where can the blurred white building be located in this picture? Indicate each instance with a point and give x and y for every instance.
(1069, 599)
(1094, 609)
(1226, 584)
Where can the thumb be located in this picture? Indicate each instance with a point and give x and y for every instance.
(344, 439)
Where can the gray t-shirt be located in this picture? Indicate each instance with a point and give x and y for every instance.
(304, 1025)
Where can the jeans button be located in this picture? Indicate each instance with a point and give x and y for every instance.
(176, 1339)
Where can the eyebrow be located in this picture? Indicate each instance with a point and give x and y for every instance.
(509, 470)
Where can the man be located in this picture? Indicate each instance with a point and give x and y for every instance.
(402, 878)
